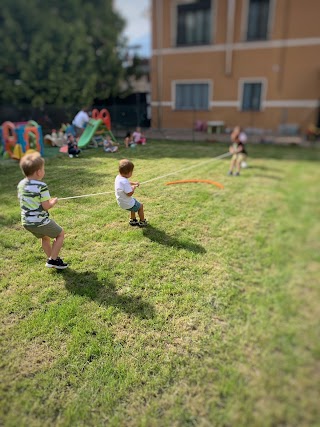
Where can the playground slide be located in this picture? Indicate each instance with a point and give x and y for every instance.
(89, 132)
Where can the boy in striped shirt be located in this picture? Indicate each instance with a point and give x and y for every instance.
(35, 201)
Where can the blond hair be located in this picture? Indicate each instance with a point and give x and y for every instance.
(125, 166)
(31, 163)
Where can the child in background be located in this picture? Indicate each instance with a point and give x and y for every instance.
(237, 150)
(73, 149)
(138, 137)
(35, 201)
(239, 135)
(108, 145)
(124, 190)
(128, 140)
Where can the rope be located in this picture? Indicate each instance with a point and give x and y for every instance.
(150, 180)
(85, 195)
(189, 167)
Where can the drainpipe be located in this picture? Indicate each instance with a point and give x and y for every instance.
(283, 50)
(159, 14)
(229, 37)
(282, 58)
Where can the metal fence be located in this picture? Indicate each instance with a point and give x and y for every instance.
(124, 117)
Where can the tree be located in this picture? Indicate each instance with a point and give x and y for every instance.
(59, 52)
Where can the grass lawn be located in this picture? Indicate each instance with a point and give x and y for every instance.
(207, 317)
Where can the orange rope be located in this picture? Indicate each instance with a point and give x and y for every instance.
(208, 181)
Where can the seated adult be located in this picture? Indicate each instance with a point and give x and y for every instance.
(80, 121)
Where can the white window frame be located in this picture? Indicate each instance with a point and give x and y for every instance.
(174, 83)
(264, 84)
(244, 20)
(174, 24)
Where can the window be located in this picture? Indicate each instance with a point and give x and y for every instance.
(251, 98)
(258, 20)
(192, 96)
(194, 23)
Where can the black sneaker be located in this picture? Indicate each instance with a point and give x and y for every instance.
(134, 222)
(237, 174)
(143, 223)
(56, 263)
(229, 173)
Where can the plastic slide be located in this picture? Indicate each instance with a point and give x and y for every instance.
(89, 132)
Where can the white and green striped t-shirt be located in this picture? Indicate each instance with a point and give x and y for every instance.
(31, 194)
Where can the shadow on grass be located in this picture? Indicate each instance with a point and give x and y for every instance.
(186, 149)
(265, 168)
(159, 236)
(9, 220)
(283, 152)
(87, 284)
(275, 177)
(64, 178)
(71, 177)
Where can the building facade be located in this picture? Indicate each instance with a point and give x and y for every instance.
(255, 63)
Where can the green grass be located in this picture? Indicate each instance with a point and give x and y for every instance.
(208, 317)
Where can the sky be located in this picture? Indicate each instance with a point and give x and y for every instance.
(138, 25)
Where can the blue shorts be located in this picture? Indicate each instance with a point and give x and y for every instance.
(135, 207)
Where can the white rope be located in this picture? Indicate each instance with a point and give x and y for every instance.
(189, 167)
(153, 179)
(85, 195)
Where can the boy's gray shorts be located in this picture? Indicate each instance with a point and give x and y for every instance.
(52, 229)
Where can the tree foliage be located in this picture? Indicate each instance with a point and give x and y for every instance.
(59, 52)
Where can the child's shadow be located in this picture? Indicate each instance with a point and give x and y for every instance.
(275, 177)
(264, 168)
(161, 237)
(87, 285)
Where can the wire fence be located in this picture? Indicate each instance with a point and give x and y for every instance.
(124, 117)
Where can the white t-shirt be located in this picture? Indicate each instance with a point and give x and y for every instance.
(81, 119)
(242, 137)
(136, 136)
(122, 186)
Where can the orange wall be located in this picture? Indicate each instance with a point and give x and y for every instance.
(291, 73)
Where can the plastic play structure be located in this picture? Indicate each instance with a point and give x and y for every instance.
(89, 132)
(99, 124)
(20, 138)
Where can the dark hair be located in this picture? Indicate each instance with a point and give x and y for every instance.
(128, 134)
(31, 163)
(125, 166)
